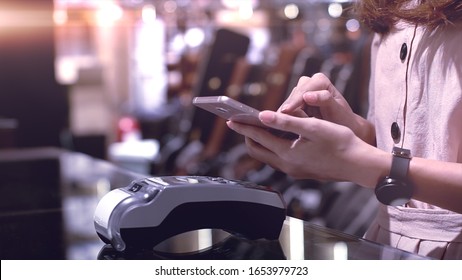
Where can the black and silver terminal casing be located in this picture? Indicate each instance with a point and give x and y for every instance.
(150, 210)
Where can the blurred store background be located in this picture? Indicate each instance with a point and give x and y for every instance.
(115, 78)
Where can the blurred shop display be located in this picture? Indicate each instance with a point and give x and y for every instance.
(8, 130)
(98, 65)
(33, 106)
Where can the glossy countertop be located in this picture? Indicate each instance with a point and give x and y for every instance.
(48, 198)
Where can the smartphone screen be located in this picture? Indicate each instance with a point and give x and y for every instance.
(234, 110)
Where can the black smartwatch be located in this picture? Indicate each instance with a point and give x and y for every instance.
(396, 189)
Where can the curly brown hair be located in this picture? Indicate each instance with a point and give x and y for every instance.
(381, 15)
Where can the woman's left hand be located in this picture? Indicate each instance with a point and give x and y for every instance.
(324, 150)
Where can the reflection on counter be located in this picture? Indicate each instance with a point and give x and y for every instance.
(298, 241)
(48, 199)
(219, 246)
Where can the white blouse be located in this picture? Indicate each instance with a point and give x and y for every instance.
(416, 81)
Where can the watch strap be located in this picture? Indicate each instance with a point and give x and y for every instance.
(396, 189)
(400, 163)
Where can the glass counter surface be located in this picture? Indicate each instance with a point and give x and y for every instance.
(48, 197)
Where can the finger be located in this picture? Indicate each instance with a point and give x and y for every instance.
(300, 113)
(318, 82)
(308, 128)
(319, 98)
(260, 153)
(295, 99)
(265, 140)
(244, 129)
(257, 134)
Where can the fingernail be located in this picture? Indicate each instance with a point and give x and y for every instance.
(310, 97)
(284, 108)
(267, 116)
(229, 124)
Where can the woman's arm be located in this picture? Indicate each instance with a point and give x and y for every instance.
(438, 183)
(353, 157)
(330, 151)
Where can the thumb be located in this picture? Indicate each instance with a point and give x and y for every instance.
(308, 128)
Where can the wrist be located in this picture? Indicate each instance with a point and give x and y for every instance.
(365, 130)
(396, 189)
(372, 166)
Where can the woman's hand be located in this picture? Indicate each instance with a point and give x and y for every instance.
(324, 150)
(318, 97)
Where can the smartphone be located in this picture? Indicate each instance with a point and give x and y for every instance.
(229, 109)
(233, 110)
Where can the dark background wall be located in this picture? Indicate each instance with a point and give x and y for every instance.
(28, 90)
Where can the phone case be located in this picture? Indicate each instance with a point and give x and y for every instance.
(233, 110)
(229, 109)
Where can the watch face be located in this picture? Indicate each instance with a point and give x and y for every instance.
(393, 192)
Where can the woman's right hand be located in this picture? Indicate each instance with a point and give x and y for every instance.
(318, 97)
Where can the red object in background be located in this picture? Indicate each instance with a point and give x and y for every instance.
(128, 128)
